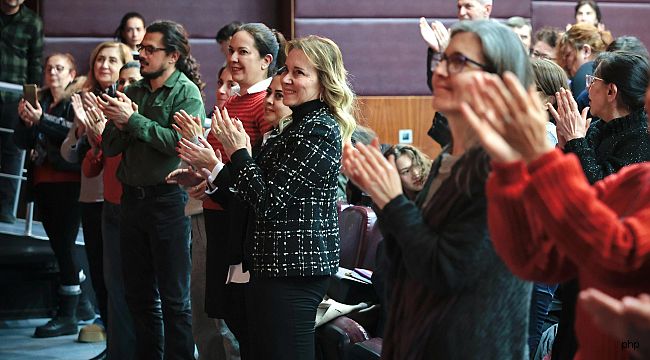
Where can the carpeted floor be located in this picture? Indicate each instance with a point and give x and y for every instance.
(17, 343)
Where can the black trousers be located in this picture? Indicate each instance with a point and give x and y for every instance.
(91, 221)
(155, 247)
(282, 313)
(227, 302)
(58, 207)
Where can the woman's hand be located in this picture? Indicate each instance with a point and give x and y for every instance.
(571, 124)
(625, 319)
(200, 156)
(80, 110)
(229, 132)
(515, 114)
(187, 125)
(371, 172)
(95, 125)
(482, 117)
(436, 35)
(184, 177)
(198, 192)
(28, 114)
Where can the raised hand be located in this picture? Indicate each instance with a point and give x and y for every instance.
(96, 124)
(29, 114)
(625, 319)
(184, 177)
(187, 125)
(436, 35)
(372, 172)
(231, 134)
(199, 156)
(198, 192)
(570, 123)
(488, 128)
(118, 109)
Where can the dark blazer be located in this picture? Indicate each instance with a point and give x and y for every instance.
(292, 187)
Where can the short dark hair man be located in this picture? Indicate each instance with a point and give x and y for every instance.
(154, 231)
(21, 61)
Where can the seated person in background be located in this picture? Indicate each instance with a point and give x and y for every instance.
(413, 166)
(522, 28)
(545, 42)
(577, 49)
(588, 12)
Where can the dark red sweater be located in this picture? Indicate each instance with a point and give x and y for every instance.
(249, 109)
(549, 225)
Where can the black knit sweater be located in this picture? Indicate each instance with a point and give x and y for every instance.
(609, 146)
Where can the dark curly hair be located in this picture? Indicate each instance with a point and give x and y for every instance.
(175, 38)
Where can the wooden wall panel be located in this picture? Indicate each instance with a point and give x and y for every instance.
(386, 115)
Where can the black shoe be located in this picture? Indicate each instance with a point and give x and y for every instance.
(85, 309)
(57, 327)
(101, 356)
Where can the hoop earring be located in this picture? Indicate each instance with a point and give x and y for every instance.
(320, 97)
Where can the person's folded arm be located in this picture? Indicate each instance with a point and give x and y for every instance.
(605, 226)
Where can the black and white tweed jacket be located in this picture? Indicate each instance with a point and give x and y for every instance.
(292, 187)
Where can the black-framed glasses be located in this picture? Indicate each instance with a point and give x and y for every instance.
(456, 63)
(589, 79)
(148, 49)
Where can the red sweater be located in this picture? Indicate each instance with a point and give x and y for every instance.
(249, 109)
(549, 225)
(92, 166)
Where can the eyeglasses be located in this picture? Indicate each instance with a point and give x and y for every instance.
(148, 49)
(539, 55)
(589, 79)
(456, 63)
(57, 68)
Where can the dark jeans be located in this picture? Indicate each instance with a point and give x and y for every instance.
(155, 245)
(540, 302)
(91, 222)
(9, 158)
(281, 314)
(120, 342)
(58, 207)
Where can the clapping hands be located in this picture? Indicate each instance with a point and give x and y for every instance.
(509, 120)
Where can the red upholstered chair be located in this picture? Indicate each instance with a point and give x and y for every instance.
(333, 337)
(354, 223)
(368, 249)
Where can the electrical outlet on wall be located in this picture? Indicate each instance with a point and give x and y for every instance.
(405, 136)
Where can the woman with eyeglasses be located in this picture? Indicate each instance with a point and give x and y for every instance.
(451, 296)
(53, 183)
(616, 94)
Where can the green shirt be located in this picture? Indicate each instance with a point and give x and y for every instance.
(21, 50)
(148, 142)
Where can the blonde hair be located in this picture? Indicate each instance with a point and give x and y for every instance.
(326, 57)
(125, 56)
